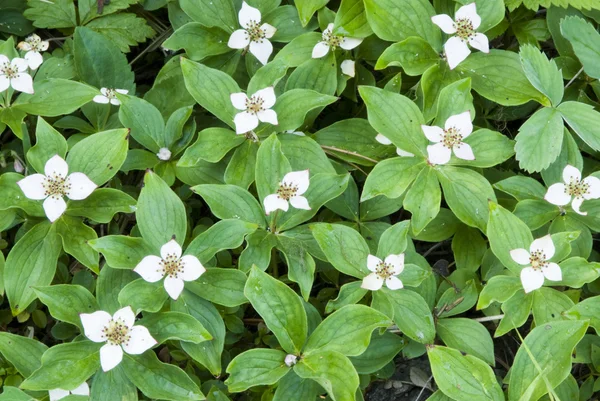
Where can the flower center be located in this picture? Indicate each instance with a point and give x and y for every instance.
(56, 185)
(577, 188)
(254, 104)
(111, 93)
(172, 265)
(286, 191)
(537, 259)
(384, 270)
(35, 43)
(452, 137)
(332, 40)
(8, 70)
(464, 28)
(255, 32)
(116, 333)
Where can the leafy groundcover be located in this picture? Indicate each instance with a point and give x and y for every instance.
(292, 200)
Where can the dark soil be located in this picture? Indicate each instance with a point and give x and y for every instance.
(400, 386)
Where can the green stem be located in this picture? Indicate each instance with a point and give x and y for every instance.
(273, 225)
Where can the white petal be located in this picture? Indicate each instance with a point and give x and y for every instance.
(438, 154)
(384, 140)
(139, 342)
(576, 205)
(557, 194)
(22, 83)
(56, 166)
(456, 51)
(269, 30)
(192, 268)
(44, 45)
(320, 50)
(54, 207)
(433, 133)
(4, 83)
(273, 202)
(350, 43)
(268, 96)
(469, 12)
(150, 269)
(445, 22)
(122, 91)
(19, 64)
(82, 389)
(299, 202)
(24, 46)
(115, 101)
(571, 173)
(552, 272)
(58, 394)
(4, 59)
(245, 122)
(125, 315)
(372, 262)
(463, 151)
(521, 256)
(239, 100)
(461, 122)
(80, 186)
(262, 50)
(110, 356)
(268, 116)
(372, 282)
(170, 248)
(248, 14)
(104, 91)
(34, 60)
(174, 286)
(404, 153)
(101, 99)
(593, 191)
(531, 279)
(329, 27)
(33, 186)
(239, 39)
(393, 283)
(298, 178)
(480, 42)
(348, 68)
(545, 245)
(397, 263)
(94, 323)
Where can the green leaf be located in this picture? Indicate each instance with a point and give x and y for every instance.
(142, 295)
(498, 289)
(412, 315)
(14, 119)
(11, 196)
(212, 145)
(543, 74)
(287, 21)
(555, 366)
(145, 122)
(539, 140)
(454, 99)
(110, 283)
(160, 212)
(241, 167)
(382, 349)
(198, 41)
(394, 240)
(280, 307)
(391, 177)
(333, 371)
(124, 29)
(160, 380)
(225, 234)
(584, 38)
(24, 353)
(507, 232)
(468, 336)
(413, 54)
(516, 312)
(577, 272)
(122, 252)
(31, 262)
(584, 120)
(468, 247)
(569, 154)
(349, 294)
(231, 202)
(318, 74)
(267, 75)
(301, 265)
(351, 20)
(588, 309)
(165, 326)
(212, 13)
(256, 367)
(49, 142)
(423, 200)
(220, 286)
(291, 387)
(54, 97)
(549, 305)
(536, 212)
(100, 156)
(293, 105)
(14, 394)
(102, 205)
(75, 236)
(271, 167)
(112, 385)
(463, 376)
(521, 187)
(306, 9)
(65, 302)
(88, 9)
(58, 14)
(299, 49)
(344, 248)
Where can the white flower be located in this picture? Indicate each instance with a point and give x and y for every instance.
(348, 67)
(253, 35)
(291, 188)
(290, 360)
(59, 393)
(12, 73)
(54, 185)
(109, 95)
(118, 332)
(256, 108)
(331, 41)
(164, 154)
(33, 45)
(385, 141)
(384, 271)
(171, 264)
(449, 139)
(574, 188)
(466, 21)
(536, 260)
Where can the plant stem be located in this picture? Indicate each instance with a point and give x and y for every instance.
(488, 318)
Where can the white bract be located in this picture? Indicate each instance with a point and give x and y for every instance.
(449, 139)
(119, 334)
(348, 67)
(12, 74)
(59, 393)
(536, 262)
(256, 108)
(574, 190)
(34, 45)
(164, 154)
(290, 360)
(109, 96)
(171, 264)
(55, 184)
(384, 140)
(290, 191)
(253, 35)
(384, 272)
(331, 41)
(464, 26)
